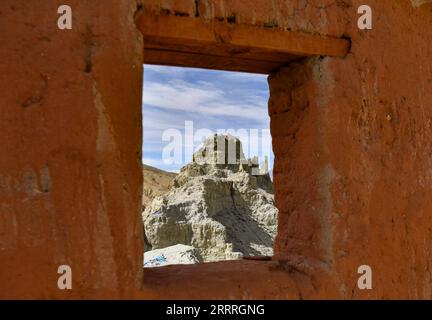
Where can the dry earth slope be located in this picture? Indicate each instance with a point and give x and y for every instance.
(156, 183)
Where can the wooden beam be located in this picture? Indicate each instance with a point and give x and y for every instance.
(204, 61)
(193, 42)
(223, 50)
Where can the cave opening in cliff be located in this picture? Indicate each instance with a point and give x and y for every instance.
(207, 166)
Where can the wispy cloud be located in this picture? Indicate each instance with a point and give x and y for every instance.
(211, 99)
(203, 98)
(243, 77)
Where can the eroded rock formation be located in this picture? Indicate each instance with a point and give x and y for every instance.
(220, 204)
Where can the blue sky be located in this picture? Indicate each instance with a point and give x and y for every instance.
(210, 99)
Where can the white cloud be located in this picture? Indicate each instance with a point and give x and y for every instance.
(151, 162)
(244, 77)
(165, 70)
(210, 99)
(202, 97)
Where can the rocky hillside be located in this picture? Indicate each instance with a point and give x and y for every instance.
(221, 204)
(156, 183)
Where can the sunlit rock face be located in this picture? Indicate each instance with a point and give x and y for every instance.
(223, 209)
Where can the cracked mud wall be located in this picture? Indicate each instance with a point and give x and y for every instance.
(70, 175)
(312, 16)
(378, 128)
(352, 150)
(353, 170)
(353, 161)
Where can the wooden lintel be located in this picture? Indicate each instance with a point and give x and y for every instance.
(204, 61)
(193, 42)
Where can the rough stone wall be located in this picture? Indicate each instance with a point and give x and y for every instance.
(70, 161)
(353, 170)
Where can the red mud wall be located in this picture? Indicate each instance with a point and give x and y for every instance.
(353, 149)
(70, 178)
(353, 169)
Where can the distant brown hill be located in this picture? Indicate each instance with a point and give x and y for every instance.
(156, 183)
